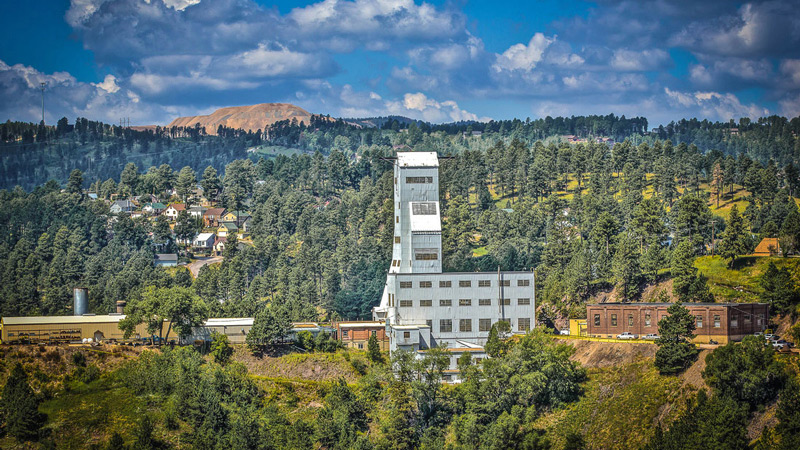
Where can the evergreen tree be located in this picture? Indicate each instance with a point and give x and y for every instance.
(675, 351)
(626, 267)
(20, 406)
(687, 284)
(736, 238)
(75, 183)
(374, 350)
(270, 327)
(779, 289)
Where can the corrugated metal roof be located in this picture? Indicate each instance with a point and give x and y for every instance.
(44, 320)
(417, 159)
(229, 322)
(360, 324)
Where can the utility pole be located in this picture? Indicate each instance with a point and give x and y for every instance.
(41, 87)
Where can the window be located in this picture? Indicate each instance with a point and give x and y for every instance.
(445, 302)
(445, 284)
(523, 301)
(397, 239)
(465, 325)
(360, 346)
(484, 283)
(698, 321)
(484, 302)
(747, 319)
(759, 319)
(465, 283)
(429, 323)
(507, 301)
(647, 320)
(405, 285)
(426, 303)
(419, 180)
(396, 219)
(630, 320)
(734, 321)
(597, 320)
(613, 320)
(465, 302)
(445, 326)
(425, 284)
(716, 321)
(406, 335)
(484, 324)
(505, 283)
(426, 254)
(406, 303)
(423, 208)
(345, 333)
(524, 324)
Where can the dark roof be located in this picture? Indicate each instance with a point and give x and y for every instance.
(670, 304)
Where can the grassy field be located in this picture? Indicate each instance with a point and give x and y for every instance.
(620, 407)
(272, 151)
(739, 283)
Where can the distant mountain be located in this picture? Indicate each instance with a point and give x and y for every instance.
(249, 118)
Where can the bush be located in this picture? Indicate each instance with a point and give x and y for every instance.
(79, 359)
(221, 348)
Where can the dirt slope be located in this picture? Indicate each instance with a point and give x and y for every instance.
(593, 355)
(250, 118)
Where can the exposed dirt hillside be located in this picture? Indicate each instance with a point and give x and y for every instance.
(249, 118)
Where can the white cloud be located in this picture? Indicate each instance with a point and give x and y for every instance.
(109, 84)
(714, 105)
(635, 61)
(523, 57)
(790, 106)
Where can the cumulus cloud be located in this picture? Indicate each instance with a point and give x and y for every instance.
(67, 97)
(523, 57)
(715, 105)
(638, 61)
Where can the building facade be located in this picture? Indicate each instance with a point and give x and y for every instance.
(722, 322)
(356, 334)
(424, 307)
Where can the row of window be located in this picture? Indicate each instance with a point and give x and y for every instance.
(484, 325)
(461, 283)
(463, 302)
(698, 320)
(419, 180)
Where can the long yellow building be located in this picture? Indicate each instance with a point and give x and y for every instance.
(59, 329)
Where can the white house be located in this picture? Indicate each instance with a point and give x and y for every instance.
(174, 209)
(204, 241)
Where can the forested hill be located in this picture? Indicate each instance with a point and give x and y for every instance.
(32, 154)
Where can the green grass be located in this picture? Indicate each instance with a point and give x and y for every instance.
(272, 151)
(619, 408)
(90, 413)
(480, 251)
(739, 283)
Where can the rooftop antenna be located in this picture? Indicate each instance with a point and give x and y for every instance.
(41, 87)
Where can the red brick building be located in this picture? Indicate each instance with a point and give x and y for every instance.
(356, 334)
(721, 322)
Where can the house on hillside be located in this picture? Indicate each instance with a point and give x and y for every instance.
(174, 209)
(768, 247)
(237, 217)
(122, 206)
(165, 260)
(204, 241)
(219, 245)
(154, 208)
(212, 217)
(197, 211)
(225, 228)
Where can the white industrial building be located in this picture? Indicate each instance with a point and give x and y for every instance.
(424, 307)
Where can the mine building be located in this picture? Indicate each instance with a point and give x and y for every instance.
(423, 307)
(721, 322)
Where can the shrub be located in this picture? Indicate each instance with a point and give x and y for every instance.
(79, 359)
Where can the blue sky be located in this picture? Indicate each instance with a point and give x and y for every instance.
(441, 61)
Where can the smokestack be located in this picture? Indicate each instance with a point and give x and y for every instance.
(81, 301)
(121, 306)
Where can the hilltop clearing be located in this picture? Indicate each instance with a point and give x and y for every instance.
(249, 118)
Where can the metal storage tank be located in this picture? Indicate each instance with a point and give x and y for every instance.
(81, 301)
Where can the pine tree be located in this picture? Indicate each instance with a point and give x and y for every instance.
(736, 238)
(20, 406)
(675, 351)
(374, 350)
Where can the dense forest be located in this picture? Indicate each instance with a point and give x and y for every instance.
(587, 216)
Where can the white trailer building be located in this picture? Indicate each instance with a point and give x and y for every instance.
(424, 307)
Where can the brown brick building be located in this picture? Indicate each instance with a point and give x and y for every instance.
(356, 334)
(721, 322)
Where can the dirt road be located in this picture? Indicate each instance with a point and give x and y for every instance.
(195, 266)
